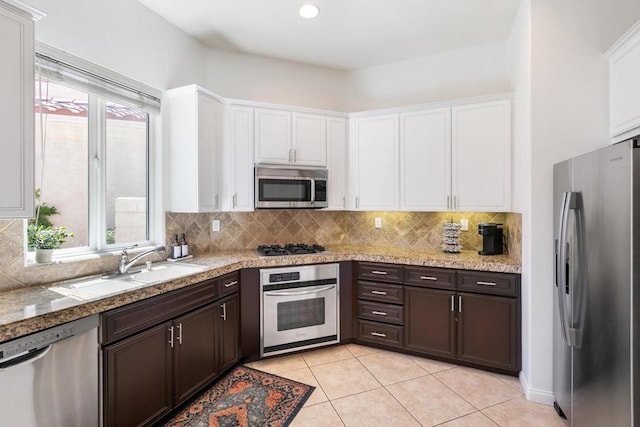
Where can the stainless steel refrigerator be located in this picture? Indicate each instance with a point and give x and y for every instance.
(596, 294)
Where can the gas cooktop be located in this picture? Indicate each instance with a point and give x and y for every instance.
(289, 249)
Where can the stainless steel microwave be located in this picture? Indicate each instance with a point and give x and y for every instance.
(290, 187)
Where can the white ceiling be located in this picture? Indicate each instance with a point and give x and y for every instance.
(348, 34)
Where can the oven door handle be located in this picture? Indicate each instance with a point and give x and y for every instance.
(307, 292)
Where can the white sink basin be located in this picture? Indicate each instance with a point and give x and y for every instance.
(98, 287)
(162, 272)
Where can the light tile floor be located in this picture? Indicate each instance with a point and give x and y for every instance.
(364, 386)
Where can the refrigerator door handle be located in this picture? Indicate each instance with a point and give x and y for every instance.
(563, 268)
(580, 280)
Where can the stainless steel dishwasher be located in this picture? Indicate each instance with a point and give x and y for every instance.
(50, 378)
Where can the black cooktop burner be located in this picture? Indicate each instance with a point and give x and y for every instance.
(289, 249)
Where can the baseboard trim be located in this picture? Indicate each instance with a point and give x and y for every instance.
(535, 395)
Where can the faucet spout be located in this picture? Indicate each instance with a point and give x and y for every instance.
(126, 263)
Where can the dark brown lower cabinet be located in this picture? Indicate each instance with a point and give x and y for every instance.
(487, 330)
(228, 326)
(430, 321)
(139, 378)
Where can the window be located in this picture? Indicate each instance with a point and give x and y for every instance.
(94, 151)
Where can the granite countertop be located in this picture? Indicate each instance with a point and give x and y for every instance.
(27, 310)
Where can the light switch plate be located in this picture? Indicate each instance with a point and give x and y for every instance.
(378, 222)
(464, 223)
(215, 225)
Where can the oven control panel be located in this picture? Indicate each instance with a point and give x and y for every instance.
(284, 277)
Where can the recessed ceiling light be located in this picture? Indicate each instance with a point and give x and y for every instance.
(309, 11)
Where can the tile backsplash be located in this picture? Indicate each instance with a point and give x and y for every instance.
(246, 230)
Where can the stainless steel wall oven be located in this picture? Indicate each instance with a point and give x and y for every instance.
(299, 308)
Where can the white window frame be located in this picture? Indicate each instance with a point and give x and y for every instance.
(97, 245)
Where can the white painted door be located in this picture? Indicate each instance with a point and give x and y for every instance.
(273, 136)
(425, 160)
(337, 162)
(376, 163)
(481, 156)
(208, 198)
(309, 139)
(16, 115)
(241, 162)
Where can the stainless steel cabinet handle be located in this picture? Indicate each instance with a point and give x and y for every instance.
(216, 201)
(428, 278)
(452, 304)
(180, 333)
(234, 200)
(378, 334)
(459, 304)
(224, 311)
(379, 273)
(357, 202)
(344, 202)
(228, 285)
(289, 156)
(378, 292)
(486, 283)
(171, 336)
(379, 313)
(448, 202)
(455, 202)
(294, 155)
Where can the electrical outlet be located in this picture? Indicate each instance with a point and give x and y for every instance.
(464, 225)
(215, 225)
(378, 222)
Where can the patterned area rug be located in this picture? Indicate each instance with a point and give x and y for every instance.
(245, 397)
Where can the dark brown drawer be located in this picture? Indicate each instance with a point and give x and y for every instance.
(130, 319)
(429, 277)
(381, 272)
(380, 333)
(382, 292)
(380, 312)
(489, 283)
(228, 284)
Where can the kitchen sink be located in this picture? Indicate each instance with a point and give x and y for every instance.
(101, 286)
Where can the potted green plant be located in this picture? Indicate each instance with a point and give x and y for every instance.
(45, 239)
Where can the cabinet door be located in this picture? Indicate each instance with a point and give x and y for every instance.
(309, 139)
(487, 330)
(624, 84)
(425, 160)
(272, 136)
(337, 162)
(138, 378)
(376, 163)
(228, 332)
(481, 156)
(430, 321)
(207, 157)
(240, 164)
(16, 119)
(195, 352)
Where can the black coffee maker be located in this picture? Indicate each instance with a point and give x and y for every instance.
(492, 238)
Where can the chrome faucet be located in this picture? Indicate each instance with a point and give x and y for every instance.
(126, 263)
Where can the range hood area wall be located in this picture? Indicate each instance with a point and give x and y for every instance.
(247, 230)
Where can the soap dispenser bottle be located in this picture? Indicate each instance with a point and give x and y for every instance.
(184, 245)
(176, 248)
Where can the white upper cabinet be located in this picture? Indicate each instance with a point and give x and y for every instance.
(376, 159)
(238, 163)
(272, 136)
(17, 112)
(481, 156)
(425, 160)
(624, 85)
(290, 138)
(337, 162)
(196, 137)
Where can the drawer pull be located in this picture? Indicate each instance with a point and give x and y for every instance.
(379, 313)
(378, 334)
(459, 304)
(486, 283)
(428, 278)
(228, 285)
(171, 336)
(452, 306)
(379, 273)
(378, 292)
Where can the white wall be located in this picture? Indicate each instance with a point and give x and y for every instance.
(568, 81)
(463, 73)
(124, 36)
(256, 78)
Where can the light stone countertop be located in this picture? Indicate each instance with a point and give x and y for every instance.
(27, 310)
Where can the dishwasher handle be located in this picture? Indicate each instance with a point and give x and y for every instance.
(29, 357)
